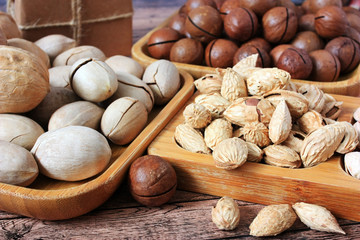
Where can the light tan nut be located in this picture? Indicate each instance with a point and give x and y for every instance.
(281, 156)
(280, 123)
(314, 95)
(357, 129)
(217, 131)
(350, 140)
(320, 145)
(226, 214)
(233, 85)
(210, 83)
(190, 139)
(246, 63)
(291, 86)
(255, 154)
(352, 164)
(121, 64)
(356, 114)
(60, 76)
(230, 153)
(295, 140)
(272, 220)
(310, 121)
(332, 108)
(54, 44)
(256, 133)
(18, 166)
(196, 115)
(214, 102)
(70, 56)
(317, 217)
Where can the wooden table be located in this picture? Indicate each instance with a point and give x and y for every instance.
(186, 216)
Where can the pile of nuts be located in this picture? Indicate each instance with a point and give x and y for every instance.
(61, 104)
(246, 113)
(318, 40)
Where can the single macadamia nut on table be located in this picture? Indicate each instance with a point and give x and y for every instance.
(161, 41)
(24, 80)
(123, 120)
(163, 78)
(18, 166)
(152, 180)
(54, 44)
(19, 130)
(120, 64)
(93, 80)
(70, 56)
(72, 153)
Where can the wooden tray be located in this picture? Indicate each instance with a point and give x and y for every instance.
(348, 84)
(53, 200)
(326, 184)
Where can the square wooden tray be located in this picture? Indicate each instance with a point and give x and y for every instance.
(326, 184)
(348, 84)
(53, 200)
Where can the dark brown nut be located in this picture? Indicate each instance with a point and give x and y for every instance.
(263, 59)
(229, 5)
(276, 52)
(316, 5)
(204, 24)
(219, 3)
(187, 50)
(353, 34)
(279, 25)
(152, 180)
(308, 41)
(291, 5)
(260, 7)
(161, 41)
(3, 40)
(354, 21)
(259, 43)
(346, 50)
(220, 53)
(177, 23)
(297, 62)
(306, 6)
(240, 24)
(348, 9)
(326, 66)
(9, 26)
(307, 22)
(331, 22)
(192, 4)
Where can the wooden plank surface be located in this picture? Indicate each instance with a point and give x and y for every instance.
(186, 216)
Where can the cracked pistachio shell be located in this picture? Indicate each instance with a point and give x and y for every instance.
(272, 220)
(18, 166)
(163, 78)
(314, 95)
(60, 76)
(350, 140)
(226, 214)
(190, 139)
(70, 56)
(132, 86)
(24, 80)
(352, 164)
(79, 113)
(281, 156)
(332, 108)
(93, 80)
(321, 144)
(209, 83)
(233, 85)
(19, 130)
(72, 153)
(310, 121)
(280, 123)
(123, 120)
(217, 131)
(121, 64)
(317, 217)
(230, 153)
(214, 102)
(54, 44)
(196, 115)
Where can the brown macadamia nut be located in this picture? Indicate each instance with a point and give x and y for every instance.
(187, 50)
(229, 5)
(297, 62)
(260, 7)
(346, 50)
(276, 52)
(161, 41)
(204, 24)
(219, 3)
(259, 43)
(331, 22)
(247, 50)
(308, 41)
(240, 24)
(279, 25)
(220, 53)
(177, 23)
(152, 180)
(316, 5)
(305, 6)
(326, 66)
(307, 22)
(192, 4)
(354, 21)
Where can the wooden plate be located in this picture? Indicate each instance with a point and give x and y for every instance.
(326, 184)
(348, 84)
(53, 200)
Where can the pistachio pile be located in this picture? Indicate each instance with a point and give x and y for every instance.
(62, 104)
(246, 113)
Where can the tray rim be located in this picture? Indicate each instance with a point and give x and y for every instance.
(109, 179)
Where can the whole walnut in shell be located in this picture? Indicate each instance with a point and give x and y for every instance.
(24, 80)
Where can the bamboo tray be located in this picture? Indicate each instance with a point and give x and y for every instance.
(54, 200)
(326, 184)
(348, 84)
